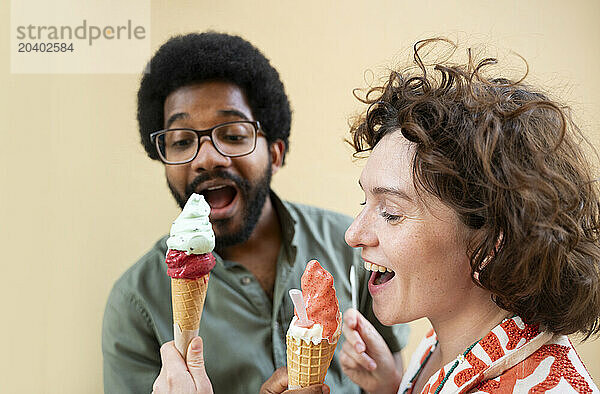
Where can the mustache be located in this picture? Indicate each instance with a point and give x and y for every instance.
(241, 183)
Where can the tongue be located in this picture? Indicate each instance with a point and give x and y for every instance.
(382, 277)
(219, 198)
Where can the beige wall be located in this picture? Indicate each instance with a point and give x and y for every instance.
(81, 202)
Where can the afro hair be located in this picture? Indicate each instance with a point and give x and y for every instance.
(198, 57)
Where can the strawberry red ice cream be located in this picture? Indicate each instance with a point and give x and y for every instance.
(188, 266)
(320, 299)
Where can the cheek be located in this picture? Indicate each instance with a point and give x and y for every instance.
(253, 166)
(176, 175)
(404, 248)
(424, 253)
(246, 167)
(445, 263)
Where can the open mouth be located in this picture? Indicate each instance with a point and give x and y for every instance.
(380, 274)
(219, 197)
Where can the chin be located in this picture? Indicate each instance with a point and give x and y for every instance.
(384, 314)
(224, 231)
(388, 312)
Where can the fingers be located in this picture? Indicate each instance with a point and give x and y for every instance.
(354, 360)
(170, 357)
(195, 364)
(346, 360)
(314, 389)
(173, 369)
(277, 383)
(158, 385)
(350, 330)
(356, 331)
(371, 338)
(179, 376)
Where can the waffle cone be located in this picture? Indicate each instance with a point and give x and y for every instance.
(307, 363)
(188, 297)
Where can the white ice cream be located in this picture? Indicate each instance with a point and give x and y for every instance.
(313, 334)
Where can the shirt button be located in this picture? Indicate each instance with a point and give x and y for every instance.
(246, 280)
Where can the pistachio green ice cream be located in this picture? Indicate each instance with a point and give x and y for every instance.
(192, 232)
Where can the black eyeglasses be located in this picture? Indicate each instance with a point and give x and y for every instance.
(181, 145)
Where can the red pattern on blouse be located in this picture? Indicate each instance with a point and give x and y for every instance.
(515, 334)
(476, 366)
(430, 389)
(491, 345)
(561, 367)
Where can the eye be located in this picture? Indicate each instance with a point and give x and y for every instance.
(182, 143)
(237, 133)
(233, 138)
(392, 219)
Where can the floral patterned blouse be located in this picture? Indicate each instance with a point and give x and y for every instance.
(512, 358)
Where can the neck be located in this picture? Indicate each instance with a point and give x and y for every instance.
(472, 320)
(259, 253)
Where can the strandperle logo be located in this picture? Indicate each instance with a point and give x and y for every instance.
(85, 31)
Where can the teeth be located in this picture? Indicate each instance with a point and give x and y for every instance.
(376, 268)
(215, 188)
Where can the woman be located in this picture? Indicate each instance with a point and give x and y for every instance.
(483, 212)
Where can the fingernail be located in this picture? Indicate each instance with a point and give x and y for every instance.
(372, 365)
(196, 344)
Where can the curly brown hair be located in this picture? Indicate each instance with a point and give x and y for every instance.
(509, 161)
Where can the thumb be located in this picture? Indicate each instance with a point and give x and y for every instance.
(277, 383)
(195, 364)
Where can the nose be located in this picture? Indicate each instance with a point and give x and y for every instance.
(360, 234)
(208, 157)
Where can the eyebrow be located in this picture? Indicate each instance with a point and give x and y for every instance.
(390, 191)
(175, 117)
(225, 112)
(233, 112)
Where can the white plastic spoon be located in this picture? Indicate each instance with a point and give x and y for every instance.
(353, 287)
(298, 300)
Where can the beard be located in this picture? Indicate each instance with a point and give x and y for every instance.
(253, 195)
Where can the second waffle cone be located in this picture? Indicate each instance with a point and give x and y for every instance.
(307, 363)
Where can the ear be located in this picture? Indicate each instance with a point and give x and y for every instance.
(491, 255)
(276, 150)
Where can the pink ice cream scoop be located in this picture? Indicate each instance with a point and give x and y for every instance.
(320, 299)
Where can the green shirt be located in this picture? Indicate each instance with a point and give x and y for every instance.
(243, 330)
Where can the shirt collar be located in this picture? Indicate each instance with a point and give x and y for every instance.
(288, 227)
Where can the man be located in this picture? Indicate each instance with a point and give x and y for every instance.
(214, 110)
